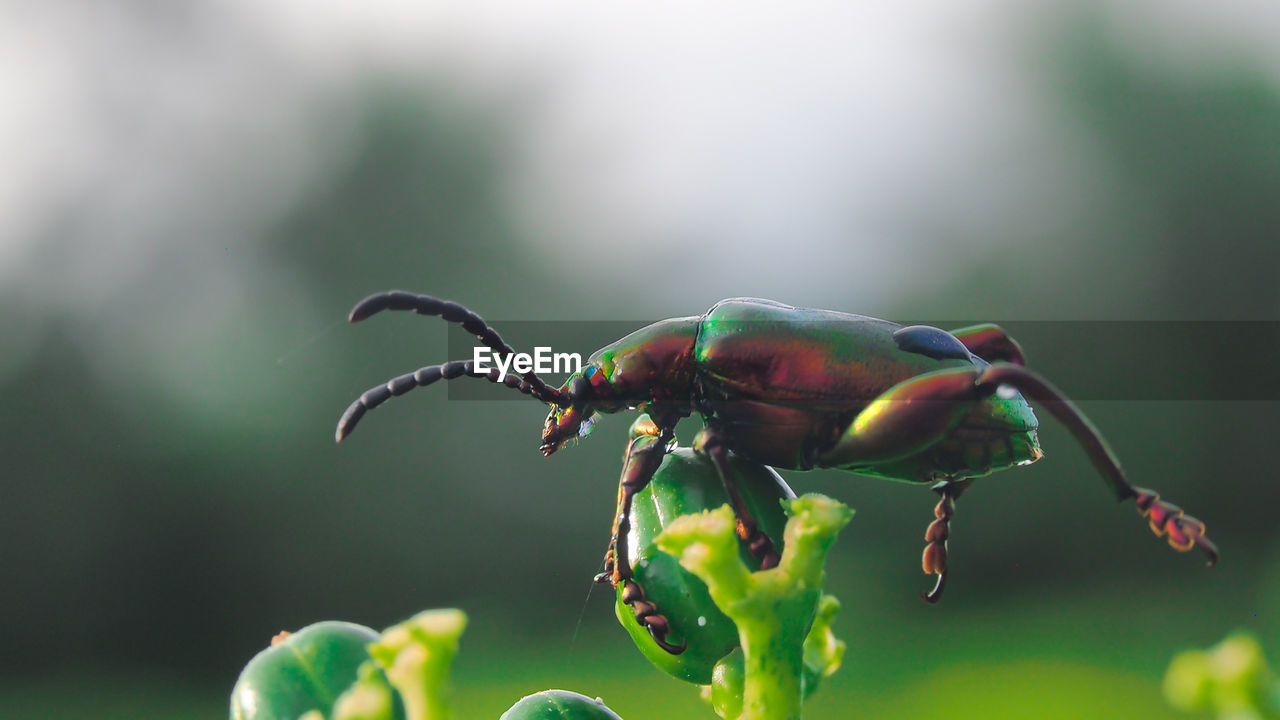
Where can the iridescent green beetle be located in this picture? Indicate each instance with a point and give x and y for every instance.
(798, 389)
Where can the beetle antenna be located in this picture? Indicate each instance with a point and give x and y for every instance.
(1184, 531)
(375, 396)
(446, 310)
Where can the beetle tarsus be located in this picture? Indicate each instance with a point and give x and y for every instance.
(646, 614)
(934, 559)
(1168, 520)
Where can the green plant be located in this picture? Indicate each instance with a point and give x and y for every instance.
(303, 671)
(785, 645)
(773, 609)
(1231, 679)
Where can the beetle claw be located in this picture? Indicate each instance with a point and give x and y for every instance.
(934, 595)
(646, 614)
(662, 643)
(770, 560)
(609, 564)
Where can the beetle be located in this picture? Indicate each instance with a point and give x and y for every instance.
(797, 388)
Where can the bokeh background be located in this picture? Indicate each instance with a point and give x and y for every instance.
(195, 193)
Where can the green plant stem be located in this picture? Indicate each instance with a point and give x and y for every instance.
(773, 609)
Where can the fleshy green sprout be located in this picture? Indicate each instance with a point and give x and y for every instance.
(1231, 679)
(369, 698)
(416, 656)
(823, 652)
(773, 609)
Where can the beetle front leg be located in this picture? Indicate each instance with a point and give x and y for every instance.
(644, 457)
(609, 560)
(643, 427)
(710, 443)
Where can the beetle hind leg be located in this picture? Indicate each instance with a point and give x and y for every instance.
(1184, 532)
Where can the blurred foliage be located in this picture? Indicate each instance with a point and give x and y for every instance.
(168, 506)
(1231, 679)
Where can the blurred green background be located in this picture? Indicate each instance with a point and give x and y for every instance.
(196, 193)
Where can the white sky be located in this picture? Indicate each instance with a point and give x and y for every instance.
(678, 127)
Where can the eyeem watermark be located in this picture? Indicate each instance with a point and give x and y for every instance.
(1091, 360)
(543, 360)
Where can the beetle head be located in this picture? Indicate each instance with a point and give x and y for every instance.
(585, 390)
(563, 425)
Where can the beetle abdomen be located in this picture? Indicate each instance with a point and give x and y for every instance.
(774, 435)
(981, 454)
(957, 458)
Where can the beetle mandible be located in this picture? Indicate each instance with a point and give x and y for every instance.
(798, 388)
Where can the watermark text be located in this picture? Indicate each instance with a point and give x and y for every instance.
(543, 360)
